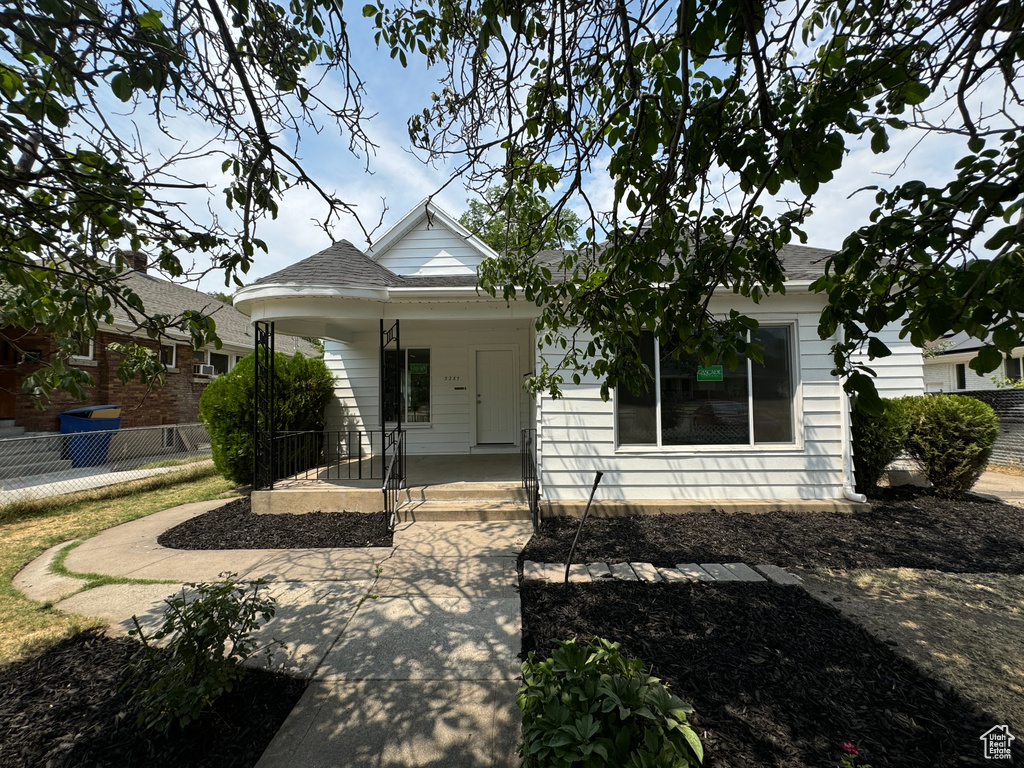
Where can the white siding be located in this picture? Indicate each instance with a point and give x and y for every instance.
(452, 378)
(902, 372)
(940, 376)
(578, 439)
(433, 250)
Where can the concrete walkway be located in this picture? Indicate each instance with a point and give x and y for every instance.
(412, 649)
(1006, 487)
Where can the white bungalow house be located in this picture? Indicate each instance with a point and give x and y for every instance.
(947, 367)
(776, 434)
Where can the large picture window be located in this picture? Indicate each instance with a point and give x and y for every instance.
(413, 376)
(688, 405)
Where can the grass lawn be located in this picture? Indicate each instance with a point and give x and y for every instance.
(26, 530)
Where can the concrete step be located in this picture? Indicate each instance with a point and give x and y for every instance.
(20, 448)
(512, 492)
(6, 423)
(8, 471)
(464, 511)
(9, 430)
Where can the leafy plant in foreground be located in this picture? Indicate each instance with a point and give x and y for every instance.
(208, 630)
(588, 705)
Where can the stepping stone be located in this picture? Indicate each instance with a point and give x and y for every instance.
(671, 575)
(622, 571)
(549, 572)
(599, 571)
(744, 572)
(779, 575)
(719, 572)
(645, 572)
(578, 573)
(694, 572)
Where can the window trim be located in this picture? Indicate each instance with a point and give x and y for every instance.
(796, 381)
(89, 358)
(412, 424)
(209, 360)
(174, 356)
(1018, 364)
(960, 373)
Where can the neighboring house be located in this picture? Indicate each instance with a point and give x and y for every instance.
(773, 432)
(947, 366)
(189, 371)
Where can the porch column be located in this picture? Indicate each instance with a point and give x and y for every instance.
(263, 424)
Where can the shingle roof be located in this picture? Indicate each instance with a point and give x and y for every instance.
(345, 266)
(952, 344)
(234, 328)
(342, 265)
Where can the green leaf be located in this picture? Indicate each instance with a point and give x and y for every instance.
(988, 359)
(122, 86)
(369, 11)
(915, 92)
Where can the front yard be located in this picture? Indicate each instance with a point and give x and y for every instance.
(27, 530)
(905, 642)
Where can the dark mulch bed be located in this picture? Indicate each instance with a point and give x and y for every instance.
(234, 526)
(777, 678)
(906, 528)
(65, 709)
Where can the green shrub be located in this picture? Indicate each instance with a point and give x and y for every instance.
(588, 706)
(302, 388)
(209, 635)
(877, 440)
(951, 437)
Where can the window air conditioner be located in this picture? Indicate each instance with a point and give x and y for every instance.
(203, 370)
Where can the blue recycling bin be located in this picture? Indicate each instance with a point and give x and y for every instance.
(85, 449)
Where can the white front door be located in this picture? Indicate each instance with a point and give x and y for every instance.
(495, 396)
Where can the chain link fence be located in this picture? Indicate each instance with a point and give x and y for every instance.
(41, 465)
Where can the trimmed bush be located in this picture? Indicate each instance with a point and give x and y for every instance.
(302, 388)
(877, 440)
(951, 437)
(589, 706)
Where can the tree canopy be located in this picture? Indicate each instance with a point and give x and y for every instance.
(717, 123)
(530, 227)
(93, 94)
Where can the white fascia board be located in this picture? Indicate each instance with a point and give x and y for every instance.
(286, 290)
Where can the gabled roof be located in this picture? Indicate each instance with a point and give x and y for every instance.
(426, 209)
(161, 296)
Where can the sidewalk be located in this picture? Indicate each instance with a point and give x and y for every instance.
(412, 649)
(1006, 487)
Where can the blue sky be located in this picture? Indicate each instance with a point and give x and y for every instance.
(401, 179)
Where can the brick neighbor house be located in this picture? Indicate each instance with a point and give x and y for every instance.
(189, 371)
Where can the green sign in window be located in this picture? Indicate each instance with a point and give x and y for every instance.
(709, 373)
(419, 368)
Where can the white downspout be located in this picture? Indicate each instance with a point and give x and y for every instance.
(848, 479)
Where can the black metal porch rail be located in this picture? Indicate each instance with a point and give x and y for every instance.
(324, 455)
(263, 414)
(531, 482)
(394, 478)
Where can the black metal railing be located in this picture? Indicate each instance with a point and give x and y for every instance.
(531, 483)
(394, 478)
(324, 455)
